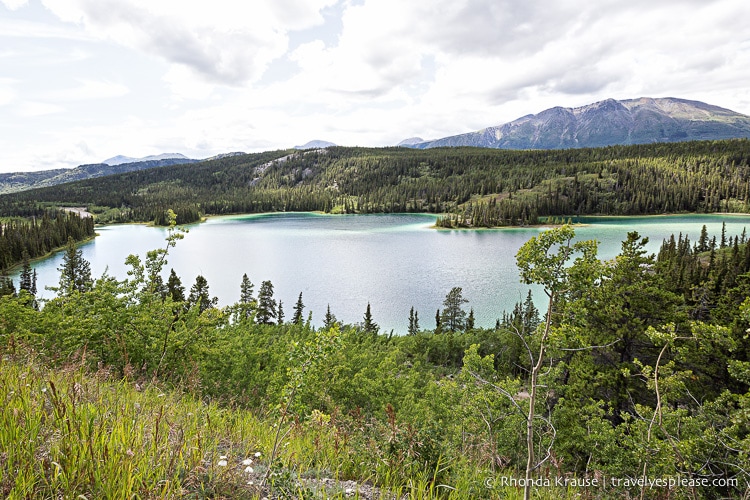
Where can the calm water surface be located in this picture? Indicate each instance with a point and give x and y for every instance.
(393, 262)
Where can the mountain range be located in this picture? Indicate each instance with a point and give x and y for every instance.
(21, 181)
(605, 123)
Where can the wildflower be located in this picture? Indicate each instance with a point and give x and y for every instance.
(44, 389)
(222, 463)
(249, 469)
(250, 483)
(257, 454)
(247, 461)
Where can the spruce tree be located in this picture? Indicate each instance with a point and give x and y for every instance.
(280, 314)
(27, 279)
(6, 286)
(298, 309)
(75, 271)
(246, 290)
(199, 295)
(175, 288)
(454, 317)
(369, 326)
(247, 302)
(330, 320)
(470, 320)
(413, 321)
(266, 308)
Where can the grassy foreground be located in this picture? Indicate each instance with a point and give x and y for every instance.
(66, 433)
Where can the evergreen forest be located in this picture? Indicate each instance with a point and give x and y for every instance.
(473, 187)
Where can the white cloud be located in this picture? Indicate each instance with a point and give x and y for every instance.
(33, 109)
(225, 41)
(88, 90)
(14, 4)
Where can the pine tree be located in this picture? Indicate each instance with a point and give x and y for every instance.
(247, 302)
(27, 279)
(298, 310)
(369, 326)
(330, 320)
(175, 288)
(199, 295)
(75, 271)
(246, 290)
(6, 286)
(413, 321)
(266, 309)
(438, 323)
(280, 314)
(470, 320)
(454, 317)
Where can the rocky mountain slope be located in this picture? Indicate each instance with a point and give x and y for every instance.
(21, 181)
(608, 122)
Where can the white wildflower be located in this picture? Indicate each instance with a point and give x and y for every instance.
(247, 461)
(249, 469)
(222, 463)
(257, 454)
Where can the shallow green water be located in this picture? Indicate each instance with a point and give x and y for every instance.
(392, 261)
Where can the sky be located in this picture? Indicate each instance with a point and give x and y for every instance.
(85, 80)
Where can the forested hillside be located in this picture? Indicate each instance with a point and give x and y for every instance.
(480, 187)
(630, 380)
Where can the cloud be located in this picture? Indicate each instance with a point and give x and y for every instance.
(89, 90)
(14, 4)
(33, 109)
(223, 41)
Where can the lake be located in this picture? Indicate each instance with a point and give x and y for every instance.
(393, 262)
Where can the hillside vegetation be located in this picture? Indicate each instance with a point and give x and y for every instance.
(480, 187)
(635, 369)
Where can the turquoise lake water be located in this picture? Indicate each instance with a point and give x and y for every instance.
(393, 262)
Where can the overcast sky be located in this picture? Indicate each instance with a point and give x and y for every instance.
(85, 80)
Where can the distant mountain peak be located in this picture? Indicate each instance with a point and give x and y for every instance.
(119, 159)
(606, 123)
(315, 144)
(411, 141)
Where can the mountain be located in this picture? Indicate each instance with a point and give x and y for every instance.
(315, 145)
(119, 159)
(606, 123)
(411, 141)
(21, 181)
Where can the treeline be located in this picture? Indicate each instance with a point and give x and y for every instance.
(478, 187)
(633, 367)
(39, 235)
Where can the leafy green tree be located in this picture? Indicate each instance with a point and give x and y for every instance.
(544, 260)
(299, 307)
(454, 317)
(200, 296)
(267, 310)
(75, 271)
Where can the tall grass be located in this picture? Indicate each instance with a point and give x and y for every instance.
(65, 433)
